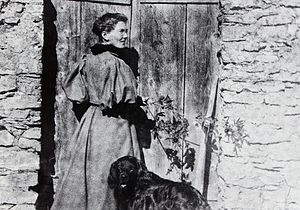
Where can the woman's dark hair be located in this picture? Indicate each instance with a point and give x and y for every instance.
(107, 23)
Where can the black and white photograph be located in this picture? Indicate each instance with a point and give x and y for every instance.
(149, 104)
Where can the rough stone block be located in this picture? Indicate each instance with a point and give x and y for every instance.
(31, 66)
(273, 86)
(19, 43)
(253, 46)
(242, 98)
(237, 57)
(240, 19)
(270, 177)
(274, 200)
(25, 143)
(38, 2)
(21, 101)
(14, 7)
(281, 16)
(293, 198)
(280, 98)
(6, 206)
(7, 83)
(6, 62)
(293, 28)
(16, 159)
(253, 114)
(34, 118)
(239, 4)
(273, 33)
(18, 179)
(6, 139)
(266, 57)
(24, 207)
(290, 3)
(32, 133)
(237, 33)
(240, 198)
(289, 154)
(239, 87)
(292, 178)
(238, 174)
(34, 8)
(12, 20)
(29, 85)
(19, 114)
(17, 196)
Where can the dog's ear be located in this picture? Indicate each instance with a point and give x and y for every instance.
(142, 169)
(113, 176)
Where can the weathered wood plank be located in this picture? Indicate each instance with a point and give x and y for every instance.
(90, 11)
(128, 2)
(162, 63)
(113, 2)
(201, 24)
(162, 50)
(179, 1)
(68, 52)
(135, 25)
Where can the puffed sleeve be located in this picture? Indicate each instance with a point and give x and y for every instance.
(109, 80)
(75, 84)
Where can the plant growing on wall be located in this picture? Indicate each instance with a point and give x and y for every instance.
(232, 131)
(235, 132)
(171, 126)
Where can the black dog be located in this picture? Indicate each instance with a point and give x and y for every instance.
(136, 188)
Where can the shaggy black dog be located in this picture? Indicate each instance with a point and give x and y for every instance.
(136, 188)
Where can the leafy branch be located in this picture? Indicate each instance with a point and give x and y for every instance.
(235, 132)
(232, 130)
(171, 126)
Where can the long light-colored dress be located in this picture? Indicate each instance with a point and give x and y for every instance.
(104, 80)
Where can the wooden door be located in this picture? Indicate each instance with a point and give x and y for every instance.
(177, 58)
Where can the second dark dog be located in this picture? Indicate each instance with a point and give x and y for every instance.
(136, 188)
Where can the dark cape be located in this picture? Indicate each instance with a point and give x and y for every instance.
(129, 55)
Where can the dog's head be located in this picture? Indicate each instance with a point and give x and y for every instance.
(124, 173)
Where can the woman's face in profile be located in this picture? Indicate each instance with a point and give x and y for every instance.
(118, 36)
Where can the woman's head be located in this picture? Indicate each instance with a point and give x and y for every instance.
(111, 28)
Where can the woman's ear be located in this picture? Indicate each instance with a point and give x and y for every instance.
(105, 36)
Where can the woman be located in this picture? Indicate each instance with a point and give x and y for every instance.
(106, 79)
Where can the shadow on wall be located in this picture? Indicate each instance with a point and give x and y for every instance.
(50, 65)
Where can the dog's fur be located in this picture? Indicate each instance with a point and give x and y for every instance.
(136, 188)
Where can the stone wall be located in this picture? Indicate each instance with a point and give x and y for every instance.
(259, 84)
(21, 36)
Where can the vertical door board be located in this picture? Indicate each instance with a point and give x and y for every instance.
(162, 50)
(200, 28)
(68, 52)
(162, 64)
(116, 2)
(135, 25)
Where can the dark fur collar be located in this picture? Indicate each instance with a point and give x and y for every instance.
(128, 55)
